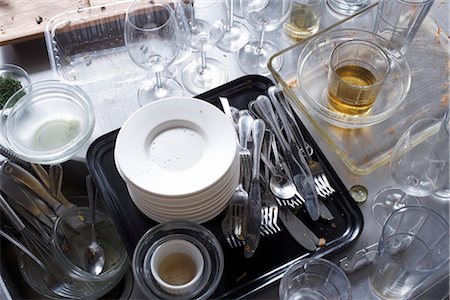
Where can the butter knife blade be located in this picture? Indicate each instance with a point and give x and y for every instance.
(252, 221)
(324, 212)
(302, 234)
(252, 232)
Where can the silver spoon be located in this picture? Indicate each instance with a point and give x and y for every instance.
(283, 188)
(94, 255)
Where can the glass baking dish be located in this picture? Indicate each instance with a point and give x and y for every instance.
(363, 150)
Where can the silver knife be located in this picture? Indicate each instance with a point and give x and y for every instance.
(302, 234)
(301, 173)
(252, 231)
(325, 213)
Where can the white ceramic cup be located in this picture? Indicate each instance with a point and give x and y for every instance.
(177, 266)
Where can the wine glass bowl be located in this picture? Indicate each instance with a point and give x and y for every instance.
(419, 165)
(263, 15)
(236, 33)
(151, 40)
(202, 24)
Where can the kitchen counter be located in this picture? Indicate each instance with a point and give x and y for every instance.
(32, 56)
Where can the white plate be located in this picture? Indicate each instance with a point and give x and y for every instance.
(197, 218)
(202, 204)
(201, 218)
(176, 146)
(192, 199)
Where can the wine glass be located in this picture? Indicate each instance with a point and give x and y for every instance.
(236, 34)
(202, 24)
(151, 41)
(264, 15)
(419, 165)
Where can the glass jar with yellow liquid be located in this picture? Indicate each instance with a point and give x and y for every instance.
(304, 19)
(357, 71)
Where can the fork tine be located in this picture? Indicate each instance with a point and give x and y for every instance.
(327, 184)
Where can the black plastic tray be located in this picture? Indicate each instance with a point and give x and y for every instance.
(275, 253)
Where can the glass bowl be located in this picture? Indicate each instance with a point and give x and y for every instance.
(71, 236)
(47, 122)
(194, 233)
(312, 74)
(21, 77)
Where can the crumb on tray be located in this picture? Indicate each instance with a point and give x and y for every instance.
(322, 242)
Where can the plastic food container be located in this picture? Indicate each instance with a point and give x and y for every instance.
(87, 45)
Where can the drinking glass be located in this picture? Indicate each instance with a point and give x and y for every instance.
(358, 69)
(202, 24)
(314, 278)
(264, 15)
(414, 244)
(304, 19)
(347, 7)
(236, 34)
(398, 21)
(419, 165)
(151, 41)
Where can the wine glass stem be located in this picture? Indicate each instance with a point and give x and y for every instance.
(203, 58)
(158, 79)
(261, 39)
(231, 16)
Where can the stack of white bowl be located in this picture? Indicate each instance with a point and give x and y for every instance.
(179, 159)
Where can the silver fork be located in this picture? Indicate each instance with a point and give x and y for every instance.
(269, 209)
(322, 185)
(233, 222)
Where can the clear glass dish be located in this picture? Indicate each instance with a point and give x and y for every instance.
(71, 236)
(313, 65)
(363, 150)
(16, 72)
(198, 235)
(87, 45)
(47, 122)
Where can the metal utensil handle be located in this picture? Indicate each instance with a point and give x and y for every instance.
(259, 127)
(91, 191)
(245, 125)
(266, 109)
(11, 214)
(277, 96)
(22, 248)
(27, 179)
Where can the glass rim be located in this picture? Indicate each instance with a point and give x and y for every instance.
(415, 2)
(382, 53)
(165, 5)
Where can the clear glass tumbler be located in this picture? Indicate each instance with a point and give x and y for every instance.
(414, 244)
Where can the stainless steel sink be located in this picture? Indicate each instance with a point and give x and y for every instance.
(12, 285)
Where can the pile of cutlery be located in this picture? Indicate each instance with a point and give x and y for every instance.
(289, 177)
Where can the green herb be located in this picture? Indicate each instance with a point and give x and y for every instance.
(8, 86)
